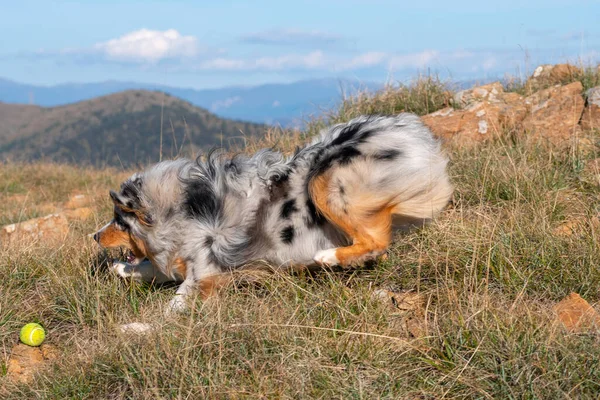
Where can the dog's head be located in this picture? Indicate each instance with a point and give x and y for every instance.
(130, 224)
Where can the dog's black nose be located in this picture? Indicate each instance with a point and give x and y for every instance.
(96, 236)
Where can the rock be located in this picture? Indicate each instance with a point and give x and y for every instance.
(578, 225)
(25, 361)
(77, 201)
(406, 301)
(18, 198)
(50, 227)
(47, 208)
(591, 171)
(136, 328)
(411, 307)
(548, 75)
(80, 214)
(554, 113)
(586, 145)
(486, 111)
(577, 315)
(591, 114)
(486, 92)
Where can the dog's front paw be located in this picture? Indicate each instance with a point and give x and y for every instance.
(326, 257)
(121, 268)
(177, 305)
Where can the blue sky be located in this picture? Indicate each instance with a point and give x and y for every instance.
(207, 44)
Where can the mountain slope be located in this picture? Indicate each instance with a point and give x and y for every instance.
(118, 129)
(270, 103)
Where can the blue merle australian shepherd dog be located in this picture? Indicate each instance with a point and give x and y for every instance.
(334, 202)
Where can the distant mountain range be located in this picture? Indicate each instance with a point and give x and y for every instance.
(118, 129)
(284, 104)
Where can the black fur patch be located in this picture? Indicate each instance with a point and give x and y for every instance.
(287, 235)
(345, 155)
(119, 220)
(353, 132)
(388, 155)
(314, 217)
(170, 213)
(201, 202)
(280, 186)
(288, 208)
(130, 192)
(212, 257)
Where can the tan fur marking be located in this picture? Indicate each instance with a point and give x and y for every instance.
(210, 285)
(113, 237)
(180, 267)
(368, 223)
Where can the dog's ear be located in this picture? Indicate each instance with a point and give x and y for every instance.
(116, 199)
(131, 206)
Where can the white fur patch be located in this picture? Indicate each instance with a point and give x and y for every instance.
(327, 257)
(177, 304)
(120, 269)
(138, 328)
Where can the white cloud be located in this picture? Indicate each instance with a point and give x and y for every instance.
(228, 102)
(489, 63)
(223, 64)
(366, 60)
(150, 46)
(292, 37)
(460, 55)
(413, 60)
(317, 60)
(311, 60)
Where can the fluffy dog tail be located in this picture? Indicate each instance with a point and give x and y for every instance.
(373, 172)
(374, 163)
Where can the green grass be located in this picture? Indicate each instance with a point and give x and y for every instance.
(490, 268)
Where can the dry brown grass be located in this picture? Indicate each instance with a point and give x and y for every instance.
(490, 269)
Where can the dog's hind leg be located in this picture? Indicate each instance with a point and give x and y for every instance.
(367, 222)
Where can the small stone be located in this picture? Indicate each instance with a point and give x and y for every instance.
(406, 301)
(548, 75)
(136, 328)
(591, 171)
(591, 114)
(576, 225)
(410, 307)
(577, 315)
(25, 361)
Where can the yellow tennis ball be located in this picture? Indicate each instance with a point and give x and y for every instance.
(32, 334)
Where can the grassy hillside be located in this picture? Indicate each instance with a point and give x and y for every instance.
(488, 270)
(125, 128)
